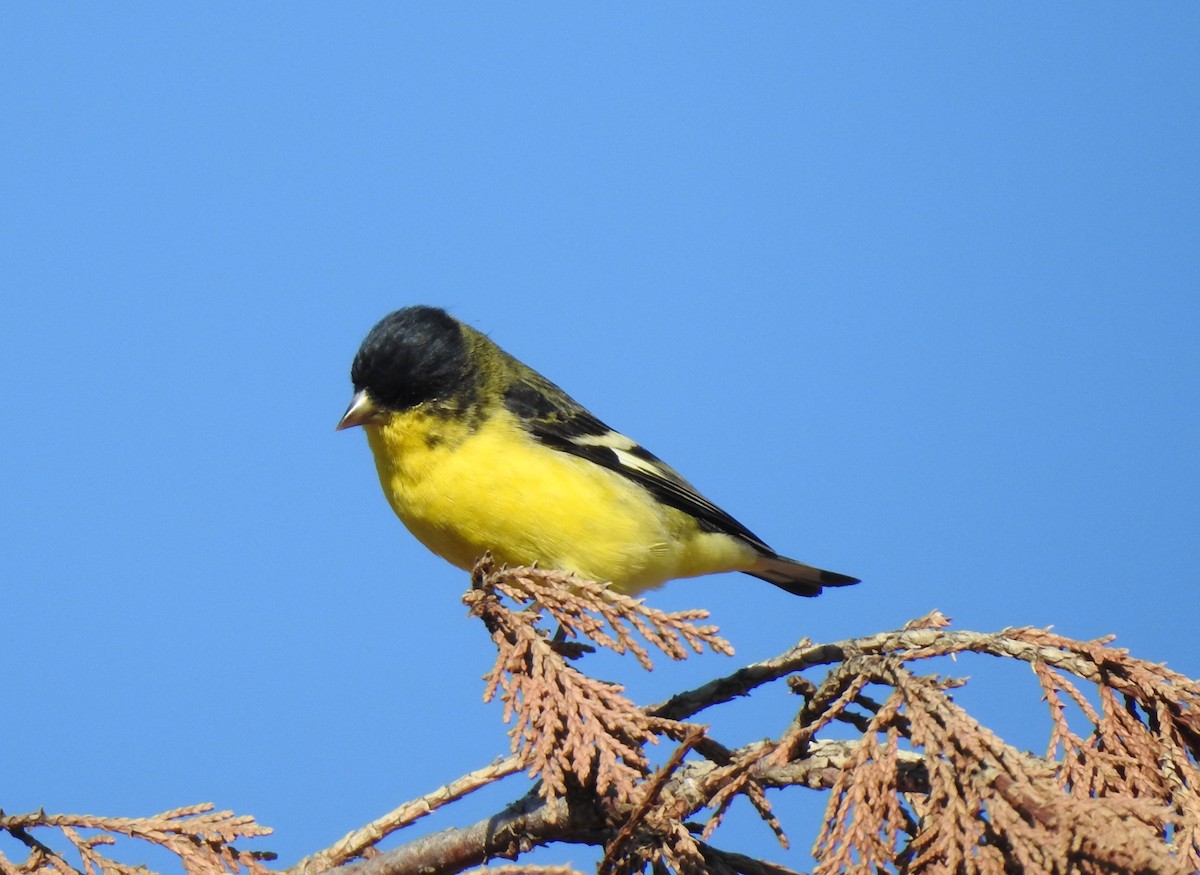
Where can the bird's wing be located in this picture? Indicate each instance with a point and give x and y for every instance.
(560, 422)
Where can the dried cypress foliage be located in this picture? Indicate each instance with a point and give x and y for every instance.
(920, 787)
(201, 837)
(572, 730)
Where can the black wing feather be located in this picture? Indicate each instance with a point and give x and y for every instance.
(559, 422)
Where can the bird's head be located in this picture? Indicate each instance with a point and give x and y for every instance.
(412, 356)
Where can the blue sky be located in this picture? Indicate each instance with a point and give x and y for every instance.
(912, 291)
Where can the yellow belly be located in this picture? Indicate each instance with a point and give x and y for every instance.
(498, 489)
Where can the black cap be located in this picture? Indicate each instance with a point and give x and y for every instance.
(413, 355)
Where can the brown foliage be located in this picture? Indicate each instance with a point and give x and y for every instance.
(922, 787)
(571, 729)
(1122, 800)
(201, 837)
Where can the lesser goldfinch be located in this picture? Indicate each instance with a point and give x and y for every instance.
(477, 452)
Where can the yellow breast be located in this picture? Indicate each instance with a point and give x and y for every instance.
(462, 493)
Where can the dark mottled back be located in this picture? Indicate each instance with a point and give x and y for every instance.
(413, 355)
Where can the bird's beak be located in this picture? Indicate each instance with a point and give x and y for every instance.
(362, 411)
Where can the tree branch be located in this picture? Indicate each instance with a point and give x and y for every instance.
(532, 822)
(355, 844)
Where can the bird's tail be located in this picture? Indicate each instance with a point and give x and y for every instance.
(796, 577)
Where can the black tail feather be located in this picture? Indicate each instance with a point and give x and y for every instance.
(796, 577)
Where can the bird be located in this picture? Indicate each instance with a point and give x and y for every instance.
(477, 453)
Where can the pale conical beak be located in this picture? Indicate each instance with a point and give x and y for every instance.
(362, 411)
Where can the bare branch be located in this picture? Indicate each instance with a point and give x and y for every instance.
(355, 844)
(533, 821)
